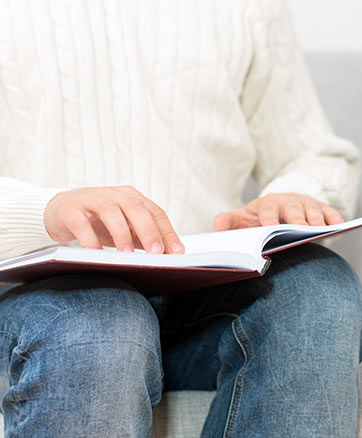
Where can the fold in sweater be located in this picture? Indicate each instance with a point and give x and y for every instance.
(182, 99)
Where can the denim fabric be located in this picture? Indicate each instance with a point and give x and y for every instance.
(80, 354)
(79, 357)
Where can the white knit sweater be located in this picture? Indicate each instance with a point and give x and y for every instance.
(183, 99)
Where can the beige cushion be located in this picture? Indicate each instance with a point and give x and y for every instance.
(181, 414)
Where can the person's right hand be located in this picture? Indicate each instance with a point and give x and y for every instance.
(117, 216)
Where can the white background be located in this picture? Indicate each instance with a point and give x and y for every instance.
(333, 25)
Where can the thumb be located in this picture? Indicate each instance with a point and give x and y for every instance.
(236, 219)
(230, 220)
(223, 221)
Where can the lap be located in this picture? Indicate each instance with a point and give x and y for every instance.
(307, 291)
(309, 272)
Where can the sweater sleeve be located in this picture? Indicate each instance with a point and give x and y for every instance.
(22, 227)
(296, 148)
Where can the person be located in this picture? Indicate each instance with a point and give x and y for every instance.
(126, 125)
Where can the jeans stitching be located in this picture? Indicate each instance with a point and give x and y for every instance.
(214, 315)
(36, 335)
(247, 349)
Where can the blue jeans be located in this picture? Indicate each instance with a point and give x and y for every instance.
(80, 354)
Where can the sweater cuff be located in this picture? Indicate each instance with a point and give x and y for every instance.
(22, 227)
(297, 183)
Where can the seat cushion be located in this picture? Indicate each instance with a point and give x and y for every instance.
(181, 414)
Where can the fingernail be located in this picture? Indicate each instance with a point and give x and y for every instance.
(156, 248)
(128, 248)
(176, 247)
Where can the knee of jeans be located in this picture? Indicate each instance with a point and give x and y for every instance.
(313, 300)
(93, 309)
(95, 331)
(318, 279)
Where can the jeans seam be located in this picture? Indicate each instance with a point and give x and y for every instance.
(214, 315)
(247, 349)
(30, 341)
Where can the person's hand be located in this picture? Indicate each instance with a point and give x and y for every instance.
(273, 209)
(113, 216)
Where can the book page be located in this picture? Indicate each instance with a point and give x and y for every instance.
(246, 240)
(255, 241)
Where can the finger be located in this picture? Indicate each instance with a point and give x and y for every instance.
(112, 217)
(224, 221)
(143, 224)
(171, 241)
(235, 219)
(293, 213)
(269, 212)
(331, 215)
(79, 225)
(100, 229)
(314, 214)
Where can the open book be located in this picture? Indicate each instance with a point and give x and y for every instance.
(209, 259)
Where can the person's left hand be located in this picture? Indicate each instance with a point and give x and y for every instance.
(273, 209)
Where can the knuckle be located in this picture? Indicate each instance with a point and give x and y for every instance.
(106, 205)
(124, 190)
(149, 234)
(169, 235)
(133, 203)
(123, 238)
(76, 221)
(268, 212)
(311, 205)
(157, 209)
(67, 208)
(315, 215)
(129, 189)
(270, 203)
(159, 214)
(121, 233)
(293, 207)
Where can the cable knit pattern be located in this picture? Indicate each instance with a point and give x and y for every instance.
(14, 93)
(183, 99)
(67, 59)
(120, 81)
(166, 83)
